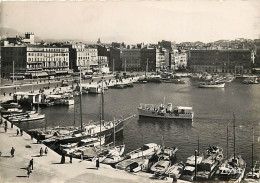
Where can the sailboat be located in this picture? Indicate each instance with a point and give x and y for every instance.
(254, 174)
(114, 154)
(232, 169)
(105, 128)
(165, 157)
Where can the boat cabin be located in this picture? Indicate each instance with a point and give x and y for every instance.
(33, 98)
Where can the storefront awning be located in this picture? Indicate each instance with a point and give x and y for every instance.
(61, 72)
(40, 74)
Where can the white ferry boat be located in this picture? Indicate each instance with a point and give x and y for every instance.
(162, 111)
(211, 85)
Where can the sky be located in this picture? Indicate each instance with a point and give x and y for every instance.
(133, 21)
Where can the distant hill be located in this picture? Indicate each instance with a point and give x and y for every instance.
(9, 32)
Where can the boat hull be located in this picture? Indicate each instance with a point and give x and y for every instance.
(212, 85)
(154, 114)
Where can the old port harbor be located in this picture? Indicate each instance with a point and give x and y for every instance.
(174, 128)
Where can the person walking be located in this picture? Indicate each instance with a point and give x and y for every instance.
(41, 152)
(31, 163)
(5, 123)
(46, 151)
(62, 158)
(5, 129)
(29, 171)
(97, 163)
(17, 132)
(12, 124)
(82, 155)
(21, 132)
(70, 157)
(12, 151)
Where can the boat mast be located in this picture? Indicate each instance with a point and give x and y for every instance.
(142, 146)
(234, 136)
(253, 153)
(114, 133)
(13, 73)
(80, 92)
(101, 111)
(227, 141)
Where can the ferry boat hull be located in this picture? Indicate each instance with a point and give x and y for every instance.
(222, 85)
(154, 114)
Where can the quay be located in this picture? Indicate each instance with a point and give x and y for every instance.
(48, 168)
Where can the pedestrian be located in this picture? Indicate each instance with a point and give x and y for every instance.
(12, 124)
(17, 132)
(5, 123)
(70, 157)
(82, 155)
(41, 151)
(4, 93)
(97, 163)
(46, 151)
(28, 171)
(62, 159)
(12, 151)
(31, 163)
(21, 132)
(5, 129)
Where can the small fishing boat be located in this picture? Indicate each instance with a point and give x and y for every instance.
(147, 150)
(175, 170)
(139, 164)
(232, 169)
(30, 117)
(10, 105)
(11, 111)
(253, 175)
(190, 167)
(165, 159)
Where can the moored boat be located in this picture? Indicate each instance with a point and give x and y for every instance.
(30, 117)
(166, 157)
(175, 170)
(253, 175)
(211, 84)
(147, 150)
(162, 111)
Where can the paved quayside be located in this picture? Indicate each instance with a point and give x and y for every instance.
(48, 168)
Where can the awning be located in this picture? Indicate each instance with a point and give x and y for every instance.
(61, 72)
(40, 74)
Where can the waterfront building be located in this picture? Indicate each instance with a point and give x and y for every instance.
(115, 61)
(102, 64)
(131, 59)
(148, 59)
(34, 60)
(220, 61)
(13, 54)
(153, 57)
(178, 60)
(83, 57)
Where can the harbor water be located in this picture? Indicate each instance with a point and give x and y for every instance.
(214, 110)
